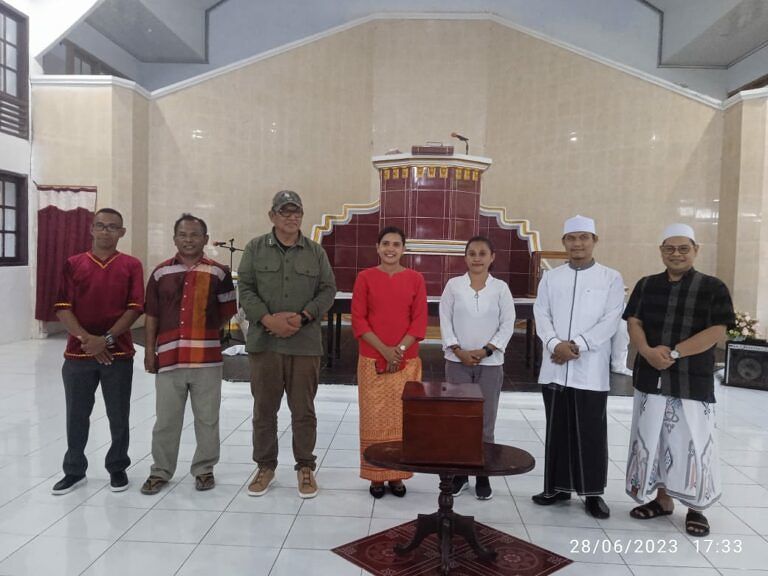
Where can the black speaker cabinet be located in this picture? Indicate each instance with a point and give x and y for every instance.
(746, 364)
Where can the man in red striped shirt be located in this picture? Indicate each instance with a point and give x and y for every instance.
(100, 296)
(189, 298)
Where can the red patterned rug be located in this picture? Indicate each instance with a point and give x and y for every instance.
(515, 557)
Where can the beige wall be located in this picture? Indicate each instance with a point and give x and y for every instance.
(644, 156)
(743, 230)
(727, 226)
(569, 135)
(300, 120)
(566, 134)
(95, 136)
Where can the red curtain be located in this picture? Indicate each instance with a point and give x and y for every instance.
(63, 229)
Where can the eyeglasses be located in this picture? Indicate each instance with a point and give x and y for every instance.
(683, 249)
(291, 213)
(100, 227)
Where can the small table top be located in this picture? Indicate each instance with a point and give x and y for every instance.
(500, 460)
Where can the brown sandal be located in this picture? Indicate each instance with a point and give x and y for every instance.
(153, 485)
(696, 524)
(204, 482)
(647, 511)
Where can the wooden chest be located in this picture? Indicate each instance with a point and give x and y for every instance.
(442, 424)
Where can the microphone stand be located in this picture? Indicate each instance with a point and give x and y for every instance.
(227, 336)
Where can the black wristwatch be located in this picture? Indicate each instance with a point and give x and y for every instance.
(488, 350)
(305, 319)
(110, 340)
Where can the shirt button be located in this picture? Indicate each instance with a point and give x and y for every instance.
(182, 311)
(182, 322)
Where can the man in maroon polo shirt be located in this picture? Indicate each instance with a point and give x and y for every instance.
(101, 295)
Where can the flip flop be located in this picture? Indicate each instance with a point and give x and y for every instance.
(696, 524)
(647, 511)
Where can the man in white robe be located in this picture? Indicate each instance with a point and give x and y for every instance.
(577, 311)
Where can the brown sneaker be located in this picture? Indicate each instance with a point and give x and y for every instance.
(204, 482)
(261, 482)
(307, 483)
(153, 485)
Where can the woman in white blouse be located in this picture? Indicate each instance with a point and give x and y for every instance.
(477, 319)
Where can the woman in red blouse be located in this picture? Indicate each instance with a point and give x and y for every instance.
(389, 318)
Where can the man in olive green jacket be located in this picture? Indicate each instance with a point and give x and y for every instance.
(286, 285)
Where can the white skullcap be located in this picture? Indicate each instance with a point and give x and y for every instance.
(579, 224)
(678, 230)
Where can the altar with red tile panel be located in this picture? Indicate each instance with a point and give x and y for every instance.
(434, 196)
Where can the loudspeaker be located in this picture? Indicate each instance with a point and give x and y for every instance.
(746, 364)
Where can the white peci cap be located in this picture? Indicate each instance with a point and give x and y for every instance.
(678, 230)
(579, 224)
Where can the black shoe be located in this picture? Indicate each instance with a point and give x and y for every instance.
(597, 507)
(377, 490)
(483, 489)
(397, 488)
(118, 481)
(67, 484)
(544, 500)
(460, 483)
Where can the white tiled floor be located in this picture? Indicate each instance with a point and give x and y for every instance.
(181, 531)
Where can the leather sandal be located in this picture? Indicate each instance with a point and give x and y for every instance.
(650, 510)
(696, 524)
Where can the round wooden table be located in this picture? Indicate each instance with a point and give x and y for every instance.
(500, 460)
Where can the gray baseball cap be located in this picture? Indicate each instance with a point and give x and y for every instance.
(285, 197)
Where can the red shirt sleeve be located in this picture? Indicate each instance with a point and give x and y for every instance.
(152, 304)
(136, 291)
(418, 327)
(359, 307)
(65, 297)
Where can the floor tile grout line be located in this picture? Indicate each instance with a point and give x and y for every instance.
(208, 531)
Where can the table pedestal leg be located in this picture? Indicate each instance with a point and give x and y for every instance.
(445, 523)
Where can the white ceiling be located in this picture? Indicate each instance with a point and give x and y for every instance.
(711, 33)
(688, 42)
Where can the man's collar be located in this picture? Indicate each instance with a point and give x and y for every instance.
(177, 260)
(273, 241)
(584, 267)
(687, 276)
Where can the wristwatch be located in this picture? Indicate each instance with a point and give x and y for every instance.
(488, 350)
(402, 348)
(109, 339)
(674, 354)
(305, 319)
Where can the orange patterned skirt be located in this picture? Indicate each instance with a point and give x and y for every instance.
(381, 411)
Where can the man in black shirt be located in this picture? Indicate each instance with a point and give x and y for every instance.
(675, 319)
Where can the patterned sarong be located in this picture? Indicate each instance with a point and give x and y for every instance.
(381, 411)
(673, 446)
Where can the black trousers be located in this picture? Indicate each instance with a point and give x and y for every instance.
(576, 450)
(81, 378)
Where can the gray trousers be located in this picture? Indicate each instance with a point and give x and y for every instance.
(203, 386)
(490, 379)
